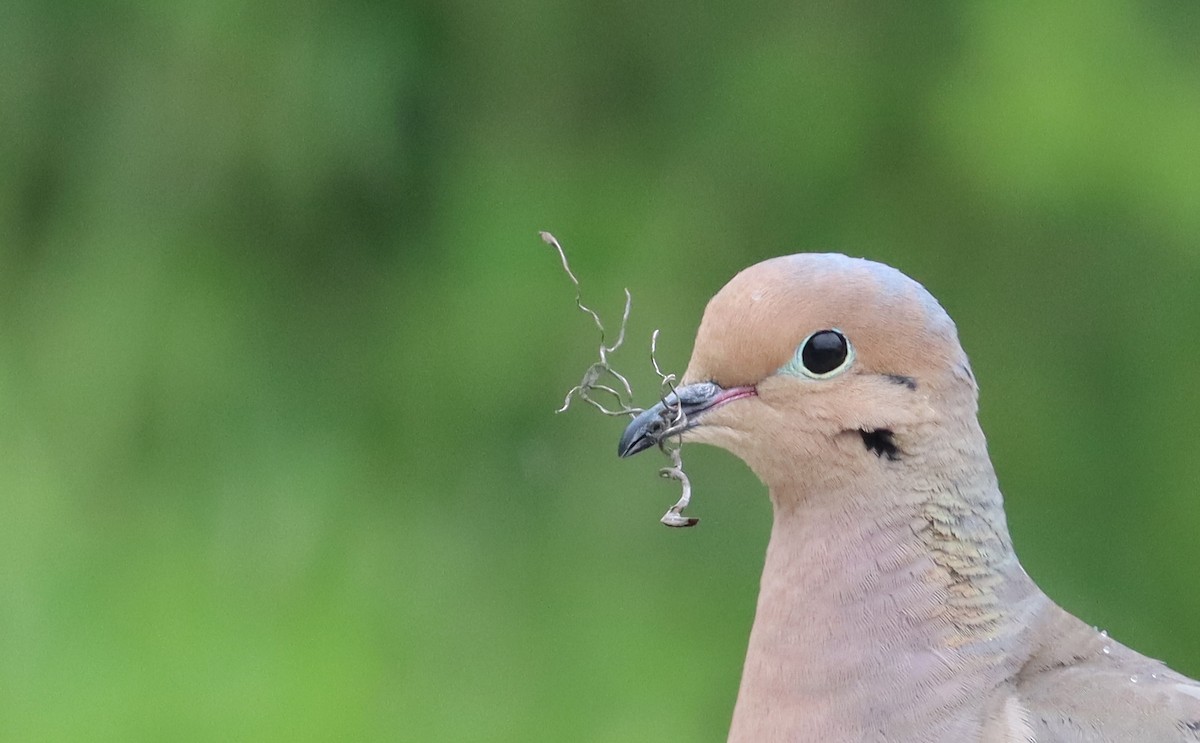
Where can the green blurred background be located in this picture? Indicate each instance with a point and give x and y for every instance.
(280, 348)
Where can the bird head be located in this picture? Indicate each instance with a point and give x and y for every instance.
(817, 359)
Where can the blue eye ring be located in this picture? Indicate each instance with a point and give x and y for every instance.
(823, 354)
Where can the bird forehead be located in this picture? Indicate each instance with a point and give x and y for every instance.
(754, 323)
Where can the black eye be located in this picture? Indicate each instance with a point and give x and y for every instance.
(824, 353)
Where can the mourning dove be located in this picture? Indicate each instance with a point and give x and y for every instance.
(892, 606)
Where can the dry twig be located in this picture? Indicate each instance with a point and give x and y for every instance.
(600, 377)
(676, 420)
(598, 371)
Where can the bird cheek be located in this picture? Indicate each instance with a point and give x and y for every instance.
(740, 443)
(728, 427)
(776, 391)
(718, 436)
(791, 400)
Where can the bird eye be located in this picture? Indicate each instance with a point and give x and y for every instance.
(824, 354)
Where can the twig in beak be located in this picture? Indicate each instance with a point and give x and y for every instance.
(601, 378)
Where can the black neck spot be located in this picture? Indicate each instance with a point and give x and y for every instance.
(882, 443)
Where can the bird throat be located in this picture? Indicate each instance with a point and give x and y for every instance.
(867, 592)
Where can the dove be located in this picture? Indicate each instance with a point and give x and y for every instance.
(892, 606)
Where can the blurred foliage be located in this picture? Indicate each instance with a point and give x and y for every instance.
(279, 345)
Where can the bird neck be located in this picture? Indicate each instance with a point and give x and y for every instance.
(870, 590)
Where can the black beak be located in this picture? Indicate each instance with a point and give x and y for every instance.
(653, 425)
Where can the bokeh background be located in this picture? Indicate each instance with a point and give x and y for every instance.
(280, 348)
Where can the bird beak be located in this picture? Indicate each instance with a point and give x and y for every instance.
(679, 411)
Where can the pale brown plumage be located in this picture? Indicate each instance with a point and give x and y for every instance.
(892, 607)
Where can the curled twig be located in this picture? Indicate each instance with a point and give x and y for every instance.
(674, 515)
(675, 418)
(600, 377)
(596, 375)
(676, 421)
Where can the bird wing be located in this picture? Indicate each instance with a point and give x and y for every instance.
(1086, 702)
(1084, 685)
